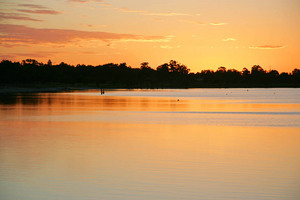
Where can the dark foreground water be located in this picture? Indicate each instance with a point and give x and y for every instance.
(151, 145)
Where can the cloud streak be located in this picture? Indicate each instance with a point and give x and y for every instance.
(143, 12)
(267, 47)
(24, 35)
(43, 12)
(84, 1)
(165, 14)
(15, 16)
(218, 23)
(168, 47)
(228, 39)
(34, 6)
(30, 55)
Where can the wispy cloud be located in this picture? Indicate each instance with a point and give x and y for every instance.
(24, 35)
(44, 12)
(166, 47)
(84, 1)
(34, 55)
(143, 12)
(15, 16)
(165, 14)
(228, 39)
(218, 23)
(92, 26)
(267, 47)
(169, 47)
(34, 6)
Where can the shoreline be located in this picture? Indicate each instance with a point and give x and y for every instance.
(15, 90)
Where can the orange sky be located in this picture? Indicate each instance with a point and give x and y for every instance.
(202, 34)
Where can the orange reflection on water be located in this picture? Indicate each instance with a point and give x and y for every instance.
(65, 102)
(191, 155)
(100, 146)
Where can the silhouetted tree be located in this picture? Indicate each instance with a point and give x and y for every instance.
(145, 66)
(258, 74)
(245, 72)
(176, 67)
(296, 72)
(30, 62)
(221, 70)
(49, 63)
(256, 69)
(172, 74)
(296, 75)
(164, 68)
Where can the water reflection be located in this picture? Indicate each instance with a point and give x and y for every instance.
(88, 146)
(94, 101)
(26, 99)
(131, 161)
(92, 106)
(62, 101)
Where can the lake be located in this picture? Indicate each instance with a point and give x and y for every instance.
(209, 144)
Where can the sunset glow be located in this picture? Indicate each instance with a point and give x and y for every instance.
(202, 34)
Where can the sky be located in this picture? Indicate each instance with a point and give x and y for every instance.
(201, 34)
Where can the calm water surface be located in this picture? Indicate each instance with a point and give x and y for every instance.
(151, 145)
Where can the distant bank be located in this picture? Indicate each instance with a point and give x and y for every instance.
(14, 90)
(33, 76)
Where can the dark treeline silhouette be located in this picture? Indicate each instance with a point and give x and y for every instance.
(168, 75)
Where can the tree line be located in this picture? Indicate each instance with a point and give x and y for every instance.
(168, 75)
